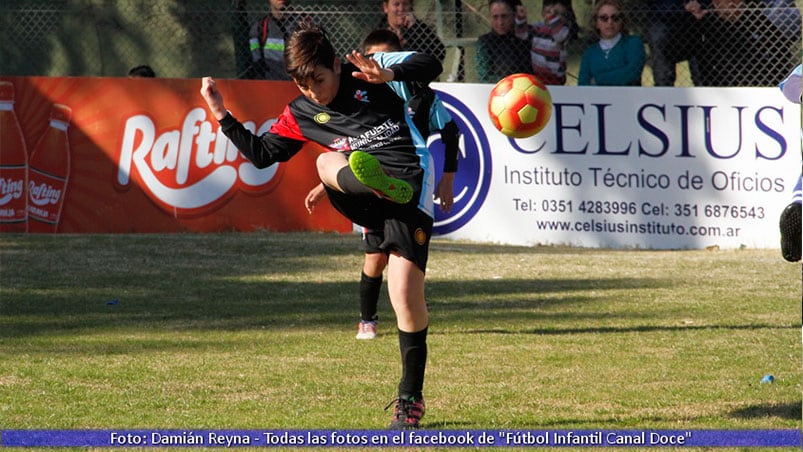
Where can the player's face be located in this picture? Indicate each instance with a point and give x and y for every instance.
(501, 18)
(322, 86)
(397, 11)
(609, 21)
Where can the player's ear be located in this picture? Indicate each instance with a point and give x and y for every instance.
(336, 66)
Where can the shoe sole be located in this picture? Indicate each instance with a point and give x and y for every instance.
(368, 171)
(790, 232)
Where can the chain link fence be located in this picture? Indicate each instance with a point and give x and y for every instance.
(189, 39)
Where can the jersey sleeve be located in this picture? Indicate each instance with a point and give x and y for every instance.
(450, 135)
(791, 85)
(410, 66)
(279, 144)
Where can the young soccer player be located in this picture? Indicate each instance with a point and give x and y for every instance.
(347, 107)
(378, 43)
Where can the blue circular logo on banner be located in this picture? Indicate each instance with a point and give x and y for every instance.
(473, 176)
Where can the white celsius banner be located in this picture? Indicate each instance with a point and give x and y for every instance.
(640, 167)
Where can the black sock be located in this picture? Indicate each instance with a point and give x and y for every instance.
(413, 347)
(369, 297)
(349, 183)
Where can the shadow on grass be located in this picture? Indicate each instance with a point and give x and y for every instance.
(234, 282)
(178, 302)
(790, 410)
(631, 329)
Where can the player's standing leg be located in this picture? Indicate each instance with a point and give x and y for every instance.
(370, 286)
(406, 288)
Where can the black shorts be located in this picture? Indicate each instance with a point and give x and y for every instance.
(372, 240)
(394, 228)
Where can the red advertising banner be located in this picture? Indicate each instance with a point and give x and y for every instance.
(100, 155)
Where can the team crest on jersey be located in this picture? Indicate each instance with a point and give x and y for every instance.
(322, 117)
(361, 95)
(420, 236)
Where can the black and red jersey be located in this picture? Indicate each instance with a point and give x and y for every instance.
(365, 116)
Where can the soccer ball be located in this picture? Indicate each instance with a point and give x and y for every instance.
(520, 105)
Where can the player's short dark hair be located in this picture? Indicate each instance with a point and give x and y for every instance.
(306, 48)
(142, 71)
(382, 36)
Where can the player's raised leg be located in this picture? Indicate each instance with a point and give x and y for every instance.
(368, 170)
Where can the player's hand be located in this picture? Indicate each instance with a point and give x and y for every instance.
(313, 197)
(444, 192)
(369, 69)
(213, 97)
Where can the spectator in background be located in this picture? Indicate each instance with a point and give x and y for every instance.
(266, 42)
(500, 52)
(670, 35)
(738, 44)
(141, 71)
(617, 58)
(548, 40)
(413, 34)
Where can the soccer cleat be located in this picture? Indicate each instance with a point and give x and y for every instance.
(407, 414)
(366, 330)
(369, 172)
(790, 232)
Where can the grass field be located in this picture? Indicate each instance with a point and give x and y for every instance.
(256, 331)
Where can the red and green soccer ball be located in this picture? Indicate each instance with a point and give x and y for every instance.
(520, 105)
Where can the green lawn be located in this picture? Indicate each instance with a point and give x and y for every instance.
(256, 331)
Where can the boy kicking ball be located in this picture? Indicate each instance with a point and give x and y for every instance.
(383, 44)
(347, 107)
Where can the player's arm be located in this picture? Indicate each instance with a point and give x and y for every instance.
(444, 191)
(418, 67)
(279, 144)
(414, 67)
(265, 150)
(450, 135)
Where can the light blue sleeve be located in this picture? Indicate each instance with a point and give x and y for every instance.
(387, 59)
(438, 115)
(791, 85)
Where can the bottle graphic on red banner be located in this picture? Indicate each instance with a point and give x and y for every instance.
(48, 173)
(13, 166)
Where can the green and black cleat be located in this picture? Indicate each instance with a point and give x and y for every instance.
(369, 172)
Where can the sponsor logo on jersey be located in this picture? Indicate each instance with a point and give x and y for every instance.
(420, 236)
(361, 95)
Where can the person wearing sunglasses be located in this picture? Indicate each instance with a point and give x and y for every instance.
(617, 57)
